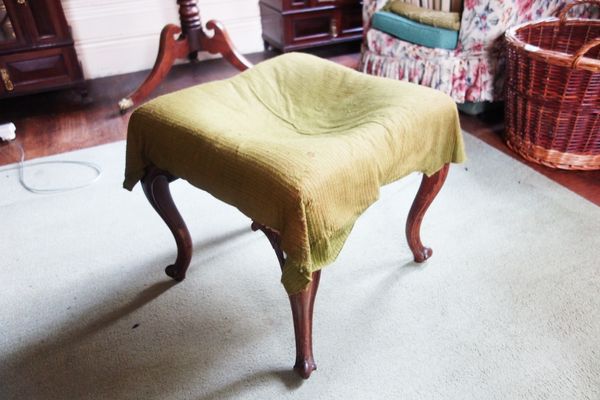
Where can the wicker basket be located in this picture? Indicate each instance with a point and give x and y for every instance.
(553, 91)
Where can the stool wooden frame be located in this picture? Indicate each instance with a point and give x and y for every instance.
(177, 43)
(156, 187)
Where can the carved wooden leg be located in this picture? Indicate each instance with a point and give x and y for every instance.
(170, 49)
(221, 43)
(156, 188)
(302, 309)
(191, 39)
(430, 186)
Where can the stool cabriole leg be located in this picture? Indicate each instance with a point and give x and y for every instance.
(302, 309)
(430, 187)
(156, 188)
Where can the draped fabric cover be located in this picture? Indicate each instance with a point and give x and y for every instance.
(299, 144)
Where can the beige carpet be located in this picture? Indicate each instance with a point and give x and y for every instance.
(507, 308)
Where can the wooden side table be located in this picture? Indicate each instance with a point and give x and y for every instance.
(290, 25)
(185, 42)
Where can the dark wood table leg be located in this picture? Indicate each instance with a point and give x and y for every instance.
(185, 42)
(302, 309)
(430, 187)
(156, 188)
(220, 43)
(170, 49)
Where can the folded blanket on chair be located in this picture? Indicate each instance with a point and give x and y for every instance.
(414, 32)
(440, 19)
(299, 144)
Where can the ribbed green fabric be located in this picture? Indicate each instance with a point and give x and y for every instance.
(299, 144)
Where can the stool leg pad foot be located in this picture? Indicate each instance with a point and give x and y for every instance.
(175, 273)
(430, 187)
(422, 254)
(304, 368)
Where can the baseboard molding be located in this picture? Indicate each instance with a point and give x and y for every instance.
(115, 37)
(114, 57)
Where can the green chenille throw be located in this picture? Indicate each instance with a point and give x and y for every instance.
(299, 144)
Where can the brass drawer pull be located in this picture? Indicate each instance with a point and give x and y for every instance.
(334, 29)
(21, 1)
(6, 79)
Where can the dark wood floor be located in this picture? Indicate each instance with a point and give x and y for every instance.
(57, 122)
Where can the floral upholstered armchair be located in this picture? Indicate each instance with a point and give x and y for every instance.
(473, 71)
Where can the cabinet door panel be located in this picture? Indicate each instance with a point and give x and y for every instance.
(309, 26)
(351, 20)
(44, 25)
(45, 21)
(30, 71)
(11, 34)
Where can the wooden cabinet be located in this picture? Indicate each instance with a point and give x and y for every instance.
(36, 48)
(290, 25)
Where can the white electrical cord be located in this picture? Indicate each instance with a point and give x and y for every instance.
(21, 168)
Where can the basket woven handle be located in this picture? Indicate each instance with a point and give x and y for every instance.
(577, 57)
(563, 13)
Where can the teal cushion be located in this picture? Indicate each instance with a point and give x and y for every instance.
(413, 32)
